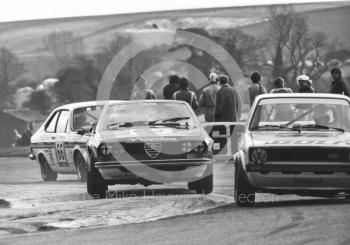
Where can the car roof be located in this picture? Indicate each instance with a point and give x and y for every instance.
(148, 101)
(76, 105)
(303, 95)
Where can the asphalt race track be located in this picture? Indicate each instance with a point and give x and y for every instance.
(34, 212)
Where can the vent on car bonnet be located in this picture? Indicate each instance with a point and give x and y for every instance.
(153, 149)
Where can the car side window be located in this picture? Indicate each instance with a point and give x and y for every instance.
(51, 126)
(62, 122)
(85, 116)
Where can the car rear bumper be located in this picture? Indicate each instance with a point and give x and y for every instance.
(170, 170)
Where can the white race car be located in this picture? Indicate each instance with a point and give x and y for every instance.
(59, 144)
(294, 144)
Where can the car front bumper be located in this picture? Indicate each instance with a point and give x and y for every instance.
(300, 176)
(166, 170)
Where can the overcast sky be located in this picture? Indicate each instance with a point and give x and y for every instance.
(12, 10)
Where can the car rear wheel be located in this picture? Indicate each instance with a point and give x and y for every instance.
(96, 185)
(81, 167)
(46, 172)
(244, 192)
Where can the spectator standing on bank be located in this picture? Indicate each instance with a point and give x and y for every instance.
(207, 98)
(305, 84)
(171, 88)
(256, 88)
(185, 94)
(228, 104)
(280, 86)
(338, 86)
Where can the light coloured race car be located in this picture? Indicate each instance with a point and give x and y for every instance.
(59, 145)
(295, 144)
(149, 142)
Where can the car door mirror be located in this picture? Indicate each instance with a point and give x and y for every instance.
(84, 130)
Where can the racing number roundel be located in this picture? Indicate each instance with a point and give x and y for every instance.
(61, 156)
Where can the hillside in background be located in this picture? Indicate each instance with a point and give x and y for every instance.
(26, 38)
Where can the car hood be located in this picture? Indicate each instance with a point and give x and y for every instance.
(331, 139)
(151, 134)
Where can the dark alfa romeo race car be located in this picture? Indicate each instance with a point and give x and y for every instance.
(295, 144)
(149, 142)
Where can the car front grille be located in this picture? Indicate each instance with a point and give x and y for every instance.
(307, 154)
(157, 150)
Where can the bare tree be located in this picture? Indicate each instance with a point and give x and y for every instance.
(295, 48)
(243, 47)
(10, 69)
(64, 45)
(106, 54)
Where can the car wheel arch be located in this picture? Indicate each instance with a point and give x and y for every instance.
(41, 157)
(75, 155)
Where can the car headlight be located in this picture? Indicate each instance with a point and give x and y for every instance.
(104, 149)
(187, 146)
(258, 155)
(200, 148)
(194, 147)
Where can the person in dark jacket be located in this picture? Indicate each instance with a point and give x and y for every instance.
(228, 104)
(185, 94)
(256, 88)
(338, 85)
(207, 99)
(171, 88)
(280, 86)
(305, 84)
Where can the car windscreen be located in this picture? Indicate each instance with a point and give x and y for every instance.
(301, 114)
(146, 114)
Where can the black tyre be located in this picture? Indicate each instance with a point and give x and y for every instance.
(244, 192)
(96, 185)
(205, 185)
(46, 172)
(81, 167)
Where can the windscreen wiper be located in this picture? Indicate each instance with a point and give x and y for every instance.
(318, 126)
(120, 124)
(171, 119)
(272, 126)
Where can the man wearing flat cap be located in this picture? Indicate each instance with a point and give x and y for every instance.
(228, 103)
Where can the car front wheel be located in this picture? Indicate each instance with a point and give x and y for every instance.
(96, 185)
(244, 192)
(204, 185)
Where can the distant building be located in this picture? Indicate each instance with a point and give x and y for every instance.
(17, 119)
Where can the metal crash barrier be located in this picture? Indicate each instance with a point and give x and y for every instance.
(226, 136)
